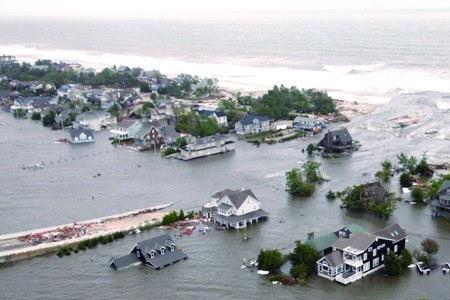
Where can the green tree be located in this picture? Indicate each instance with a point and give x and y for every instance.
(48, 119)
(20, 113)
(114, 110)
(384, 174)
(311, 171)
(408, 163)
(296, 185)
(430, 247)
(418, 194)
(406, 180)
(144, 87)
(35, 116)
(392, 265)
(270, 260)
(310, 149)
(422, 167)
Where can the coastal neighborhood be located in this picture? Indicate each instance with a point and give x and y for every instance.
(187, 121)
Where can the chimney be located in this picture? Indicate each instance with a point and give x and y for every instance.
(310, 236)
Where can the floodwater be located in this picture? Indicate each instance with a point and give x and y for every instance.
(66, 191)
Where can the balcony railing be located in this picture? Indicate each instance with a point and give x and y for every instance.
(355, 262)
(348, 277)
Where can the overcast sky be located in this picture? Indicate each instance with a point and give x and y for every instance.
(132, 8)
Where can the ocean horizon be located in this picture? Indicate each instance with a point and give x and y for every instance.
(370, 58)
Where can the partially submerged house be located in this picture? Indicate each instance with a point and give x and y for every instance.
(324, 243)
(359, 254)
(81, 135)
(96, 121)
(234, 208)
(252, 124)
(308, 124)
(337, 141)
(206, 146)
(441, 205)
(157, 253)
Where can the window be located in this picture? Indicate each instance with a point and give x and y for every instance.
(382, 257)
(152, 254)
(365, 256)
(172, 247)
(366, 266)
(374, 252)
(375, 262)
(162, 251)
(395, 248)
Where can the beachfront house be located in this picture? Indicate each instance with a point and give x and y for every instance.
(359, 254)
(217, 115)
(96, 120)
(337, 141)
(251, 124)
(157, 253)
(81, 135)
(234, 208)
(441, 205)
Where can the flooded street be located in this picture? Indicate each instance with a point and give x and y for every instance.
(65, 190)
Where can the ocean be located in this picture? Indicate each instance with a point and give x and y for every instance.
(355, 55)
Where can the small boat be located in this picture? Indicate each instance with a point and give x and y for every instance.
(262, 272)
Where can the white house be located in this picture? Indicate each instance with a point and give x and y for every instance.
(252, 124)
(218, 115)
(234, 208)
(96, 120)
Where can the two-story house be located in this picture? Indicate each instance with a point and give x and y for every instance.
(218, 115)
(234, 208)
(337, 141)
(441, 205)
(360, 254)
(252, 124)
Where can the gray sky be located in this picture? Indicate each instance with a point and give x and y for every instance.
(133, 8)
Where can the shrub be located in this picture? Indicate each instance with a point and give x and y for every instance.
(310, 149)
(418, 194)
(331, 195)
(406, 180)
(270, 260)
(36, 116)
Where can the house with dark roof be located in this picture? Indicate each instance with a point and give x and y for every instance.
(359, 254)
(441, 205)
(234, 208)
(81, 135)
(374, 192)
(157, 253)
(206, 146)
(252, 124)
(337, 141)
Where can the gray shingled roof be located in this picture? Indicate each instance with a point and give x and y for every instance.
(238, 197)
(125, 123)
(393, 232)
(145, 248)
(335, 258)
(222, 193)
(360, 241)
(445, 185)
(124, 261)
(75, 132)
(248, 119)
